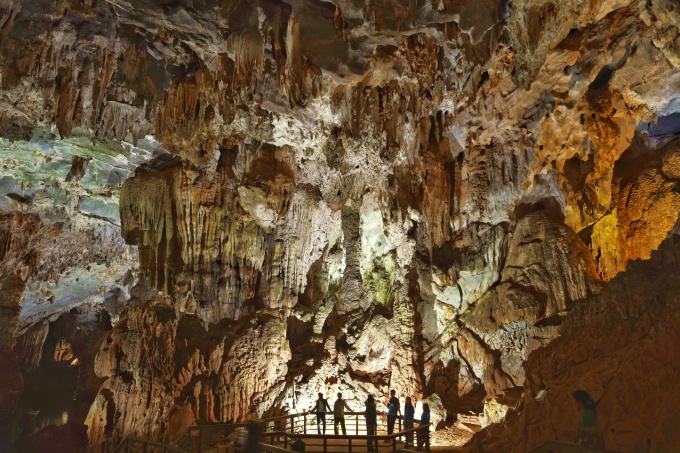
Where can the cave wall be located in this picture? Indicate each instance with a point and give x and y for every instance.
(621, 347)
(364, 195)
(64, 269)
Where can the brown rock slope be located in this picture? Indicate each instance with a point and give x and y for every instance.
(621, 346)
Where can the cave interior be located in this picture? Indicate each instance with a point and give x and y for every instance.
(213, 210)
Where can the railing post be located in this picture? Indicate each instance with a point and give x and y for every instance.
(356, 427)
(304, 420)
(200, 440)
(350, 445)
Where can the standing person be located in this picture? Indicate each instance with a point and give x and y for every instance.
(253, 431)
(424, 434)
(339, 414)
(320, 409)
(393, 410)
(371, 423)
(409, 412)
(587, 433)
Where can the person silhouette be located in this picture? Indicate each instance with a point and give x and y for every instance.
(393, 409)
(339, 414)
(320, 408)
(253, 431)
(424, 434)
(371, 416)
(587, 434)
(409, 413)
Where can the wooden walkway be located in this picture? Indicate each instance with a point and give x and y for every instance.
(278, 435)
(343, 445)
(353, 442)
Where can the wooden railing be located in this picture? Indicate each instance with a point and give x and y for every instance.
(359, 442)
(266, 448)
(138, 445)
(283, 430)
(201, 437)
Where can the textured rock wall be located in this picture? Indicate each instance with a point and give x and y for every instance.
(414, 234)
(63, 261)
(18, 262)
(621, 347)
(152, 361)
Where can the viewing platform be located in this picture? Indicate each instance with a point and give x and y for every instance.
(297, 432)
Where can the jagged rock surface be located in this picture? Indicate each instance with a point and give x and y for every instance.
(64, 267)
(621, 347)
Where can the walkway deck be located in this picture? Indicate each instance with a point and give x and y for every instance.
(278, 435)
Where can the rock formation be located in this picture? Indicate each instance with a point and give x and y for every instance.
(621, 347)
(268, 199)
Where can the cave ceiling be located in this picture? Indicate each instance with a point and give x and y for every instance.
(271, 198)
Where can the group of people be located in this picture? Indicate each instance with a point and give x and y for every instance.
(322, 407)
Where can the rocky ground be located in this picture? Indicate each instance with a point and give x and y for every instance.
(621, 347)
